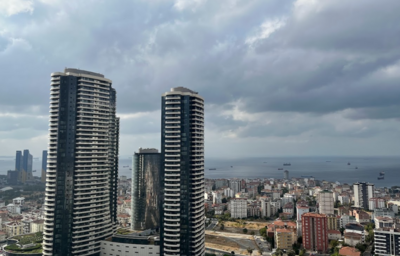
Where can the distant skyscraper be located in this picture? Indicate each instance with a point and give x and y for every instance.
(44, 165)
(362, 193)
(81, 179)
(27, 160)
(182, 225)
(18, 161)
(146, 189)
(286, 175)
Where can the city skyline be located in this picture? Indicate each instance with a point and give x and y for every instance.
(279, 78)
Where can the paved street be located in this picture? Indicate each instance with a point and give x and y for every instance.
(213, 224)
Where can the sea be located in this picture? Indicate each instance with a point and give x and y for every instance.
(341, 169)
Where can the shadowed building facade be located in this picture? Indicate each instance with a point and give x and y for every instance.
(146, 189)
(82, 164)
(182, 143)
(44, 166)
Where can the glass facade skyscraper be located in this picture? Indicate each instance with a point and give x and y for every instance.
(44, 165)
(182, 143)
(146, 189)
(82, 164)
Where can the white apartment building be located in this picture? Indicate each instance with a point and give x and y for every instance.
(235, 185)
(216, 197)
(325, 201)
(228, 192)
(362, 193)
(19, 200)
(376, 203)
(238, 208)
(265, 208)
(14, 209)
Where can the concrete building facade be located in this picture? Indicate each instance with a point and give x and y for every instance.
(325, 202)
(238, 207)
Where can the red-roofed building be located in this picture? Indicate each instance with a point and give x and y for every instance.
(349, 251)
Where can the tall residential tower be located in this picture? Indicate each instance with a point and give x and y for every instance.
(362, 193)
(146, 189)
(182, 142)
(81, 179)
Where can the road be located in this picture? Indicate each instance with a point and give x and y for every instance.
(213, 224)
(262, 244)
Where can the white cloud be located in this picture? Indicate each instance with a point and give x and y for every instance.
(181, 5)
(12, 7)
(266, 29)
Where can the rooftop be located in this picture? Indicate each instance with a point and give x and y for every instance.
(80, 71)
(182, 89)
(312, 214)
(349, 251)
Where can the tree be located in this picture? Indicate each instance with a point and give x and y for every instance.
(334, 243)
(300, 240)
(361, 247)
(263, 232)
(302, 252)
(252, 233)
(224, 200)
(342, 230)
(245, 231)
(222, 227)
(291, 253)
(249, 250)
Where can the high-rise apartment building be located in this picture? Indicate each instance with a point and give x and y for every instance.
(387, 241)
(27, 161)
(44, 165)
(146, 189)
(325, 202)
(362, 193)
(238, 208)
(235, 185)
(18, 161)
(182, 142)
(315, 232)
(82, 170)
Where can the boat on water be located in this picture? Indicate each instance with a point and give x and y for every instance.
(381, 178)
(34, 171)
(212, 169)
(348, 163)
(356, 167)
(280, 169)
(231, 166)
(286, 164)
(130, 169)
(382, 173)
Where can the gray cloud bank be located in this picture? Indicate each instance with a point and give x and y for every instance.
(267, 69)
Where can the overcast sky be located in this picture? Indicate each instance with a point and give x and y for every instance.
(298, 78)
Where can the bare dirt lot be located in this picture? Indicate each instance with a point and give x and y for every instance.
(237, 227)
(231, 242)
